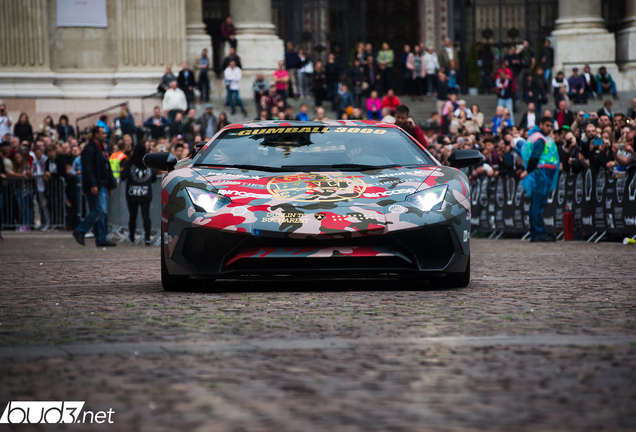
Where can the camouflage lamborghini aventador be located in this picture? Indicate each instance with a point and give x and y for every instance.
(354, 198)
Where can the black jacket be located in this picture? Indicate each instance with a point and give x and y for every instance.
(95, 169)
(181, 80)
(139, 179)
(23, 131)
(226, 62)
(567, 115)
(332, 72)
(64, 132)
(320, 80)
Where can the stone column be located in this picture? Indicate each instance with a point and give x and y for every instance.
(580, 37)
(258, 44)
(196, 35)
(626, 38)
(25, 69)
(150, 35)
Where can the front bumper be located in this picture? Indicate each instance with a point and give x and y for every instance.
(428, 251)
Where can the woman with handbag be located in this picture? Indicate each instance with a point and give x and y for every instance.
(305, 71)
(415, 64)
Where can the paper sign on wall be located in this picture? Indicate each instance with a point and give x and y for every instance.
(81, 13)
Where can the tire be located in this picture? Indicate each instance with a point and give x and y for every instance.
(459, 280)
(171, 282)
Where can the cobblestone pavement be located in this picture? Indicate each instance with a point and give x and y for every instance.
(543, 339)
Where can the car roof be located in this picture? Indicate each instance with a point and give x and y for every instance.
(297, 123)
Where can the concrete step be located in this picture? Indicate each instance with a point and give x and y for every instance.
(421, 110)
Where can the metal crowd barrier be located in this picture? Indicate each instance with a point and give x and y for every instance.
(600, 204)
(23, 204)
(117, 217)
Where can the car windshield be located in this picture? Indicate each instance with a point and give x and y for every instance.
(313, 147)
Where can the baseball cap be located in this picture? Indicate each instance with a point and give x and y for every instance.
(209, 106)
(575, 68)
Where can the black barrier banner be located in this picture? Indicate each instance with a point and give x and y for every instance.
(623, 209)
(599, 203)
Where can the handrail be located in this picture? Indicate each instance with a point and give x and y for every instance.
(85, 116)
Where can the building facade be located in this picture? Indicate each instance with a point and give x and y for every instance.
(49, 66)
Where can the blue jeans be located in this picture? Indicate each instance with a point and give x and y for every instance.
(547, 76)
(235, 99)
(537, 205)
(507, 103)
(542, 181)
(612, 88)
(25, 204)
(96, 216)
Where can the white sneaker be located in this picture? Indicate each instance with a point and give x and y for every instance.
(89, 235)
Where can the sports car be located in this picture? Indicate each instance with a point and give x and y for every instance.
(332, 198)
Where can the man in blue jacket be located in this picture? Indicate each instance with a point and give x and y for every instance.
(541, 158)
(97, 184)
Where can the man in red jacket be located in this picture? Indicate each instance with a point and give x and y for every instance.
(391, 101)
(403, 120)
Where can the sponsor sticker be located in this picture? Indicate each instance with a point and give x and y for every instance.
(238, 210)
(323, 187)
(281, 218)
(388, 193)
(283, 130)
(360, 130)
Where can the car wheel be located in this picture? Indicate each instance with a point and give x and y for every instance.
(459, 280)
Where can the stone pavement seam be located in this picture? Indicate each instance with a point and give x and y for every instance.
(48, 351)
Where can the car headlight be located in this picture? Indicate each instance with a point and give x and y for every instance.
(429, 199)
(205, 201)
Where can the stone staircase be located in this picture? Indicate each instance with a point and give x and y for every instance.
(420, 110)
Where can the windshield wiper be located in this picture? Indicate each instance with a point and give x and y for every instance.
(247, 167)
(340, 167)
(362, 167)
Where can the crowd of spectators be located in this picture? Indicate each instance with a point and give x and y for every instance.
(358, 86)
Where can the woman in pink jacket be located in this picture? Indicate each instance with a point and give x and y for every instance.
(374, 106)
(415, 64)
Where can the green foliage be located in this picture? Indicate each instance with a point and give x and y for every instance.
(474, 74)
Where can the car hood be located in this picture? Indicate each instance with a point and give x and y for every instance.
(301, 204)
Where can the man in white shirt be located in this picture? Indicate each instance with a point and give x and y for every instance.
(431, 64)
(529, 118)
(386, 115)
(5, 122)
(447, 54)
(174, 100)
(233, 75)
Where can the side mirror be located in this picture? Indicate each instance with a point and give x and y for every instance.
(164, 161)
(465, 158)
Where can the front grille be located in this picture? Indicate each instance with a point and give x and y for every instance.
(433, 246)
(320, 241)
(361, 265)
(203, 246)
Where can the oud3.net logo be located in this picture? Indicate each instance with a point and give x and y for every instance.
(31, 412)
